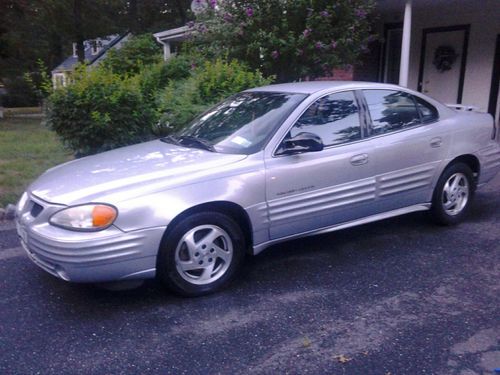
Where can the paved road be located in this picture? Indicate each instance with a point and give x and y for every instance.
(400, 296)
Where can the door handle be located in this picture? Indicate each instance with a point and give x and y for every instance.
(436, 142)
(359, 159)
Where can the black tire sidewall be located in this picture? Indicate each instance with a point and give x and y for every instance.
(438, 212)
(166, 267)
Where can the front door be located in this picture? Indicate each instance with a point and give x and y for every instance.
(314, 190)
(442, 63)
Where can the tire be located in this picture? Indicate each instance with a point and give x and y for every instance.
(201, 254)
(453, 194)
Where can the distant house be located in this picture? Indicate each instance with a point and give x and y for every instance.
(95, 51)
(448, 49)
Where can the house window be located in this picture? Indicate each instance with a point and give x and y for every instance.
(59, 80)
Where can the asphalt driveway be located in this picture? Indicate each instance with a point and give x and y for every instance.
(401, 296)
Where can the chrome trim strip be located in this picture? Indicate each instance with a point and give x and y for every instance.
(369, 219)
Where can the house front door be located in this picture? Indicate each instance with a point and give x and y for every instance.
(442, 62)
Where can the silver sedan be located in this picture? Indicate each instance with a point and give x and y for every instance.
(266, 165)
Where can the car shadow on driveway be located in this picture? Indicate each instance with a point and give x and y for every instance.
(310, 262)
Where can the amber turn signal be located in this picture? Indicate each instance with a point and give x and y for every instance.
(102, 216)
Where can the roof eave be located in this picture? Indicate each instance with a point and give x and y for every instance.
(179, 33)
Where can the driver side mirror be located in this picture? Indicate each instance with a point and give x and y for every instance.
(302, 142)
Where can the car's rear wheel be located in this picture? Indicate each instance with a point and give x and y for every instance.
(453, 194)
(201, 254)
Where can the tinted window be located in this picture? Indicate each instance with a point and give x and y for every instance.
(391, 110)
(334, 118)
(428, 112)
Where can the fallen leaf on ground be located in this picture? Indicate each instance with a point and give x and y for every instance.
(342, 358)
(306, 342)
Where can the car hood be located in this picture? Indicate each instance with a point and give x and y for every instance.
(126, 172)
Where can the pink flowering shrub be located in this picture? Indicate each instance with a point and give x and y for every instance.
(287, 39)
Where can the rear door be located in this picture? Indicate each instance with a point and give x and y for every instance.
(410, 146)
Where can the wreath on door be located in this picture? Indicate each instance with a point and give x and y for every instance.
(444, 58)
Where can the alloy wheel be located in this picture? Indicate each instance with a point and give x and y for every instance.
(203, 254)
(455, 194)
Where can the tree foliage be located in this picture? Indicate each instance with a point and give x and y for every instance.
(39, 81)
(289, 39)
(45, 29)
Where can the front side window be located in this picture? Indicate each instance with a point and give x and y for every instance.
(391, 111)
(334, 118)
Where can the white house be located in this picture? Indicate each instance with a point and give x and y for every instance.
(448, 49)
(95, 51)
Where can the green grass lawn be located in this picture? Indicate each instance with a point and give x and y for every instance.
(27, 149)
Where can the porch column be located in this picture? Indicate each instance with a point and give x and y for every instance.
(166, 48)
(166, 51)
(405, 46)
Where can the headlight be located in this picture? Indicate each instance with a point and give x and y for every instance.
(88, 217)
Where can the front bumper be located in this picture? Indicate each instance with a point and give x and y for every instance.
(106, 255)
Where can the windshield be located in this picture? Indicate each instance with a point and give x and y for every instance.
(242, 124)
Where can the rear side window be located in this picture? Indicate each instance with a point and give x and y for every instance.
(334, 118)
(428, 112)
(391, 111)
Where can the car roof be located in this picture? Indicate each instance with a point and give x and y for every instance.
(311, 87)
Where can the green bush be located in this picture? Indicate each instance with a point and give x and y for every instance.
(100, 111)
(209, 83)
(136, 53)
(154, 77)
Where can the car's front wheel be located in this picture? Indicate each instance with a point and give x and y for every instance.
(453, 194)
(201, 254)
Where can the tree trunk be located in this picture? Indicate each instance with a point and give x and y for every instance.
(78, 30)
(133, 22)
(56, 54)
(181, 10)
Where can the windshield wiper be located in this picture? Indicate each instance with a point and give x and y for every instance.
(170, 139)
(189, 140)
